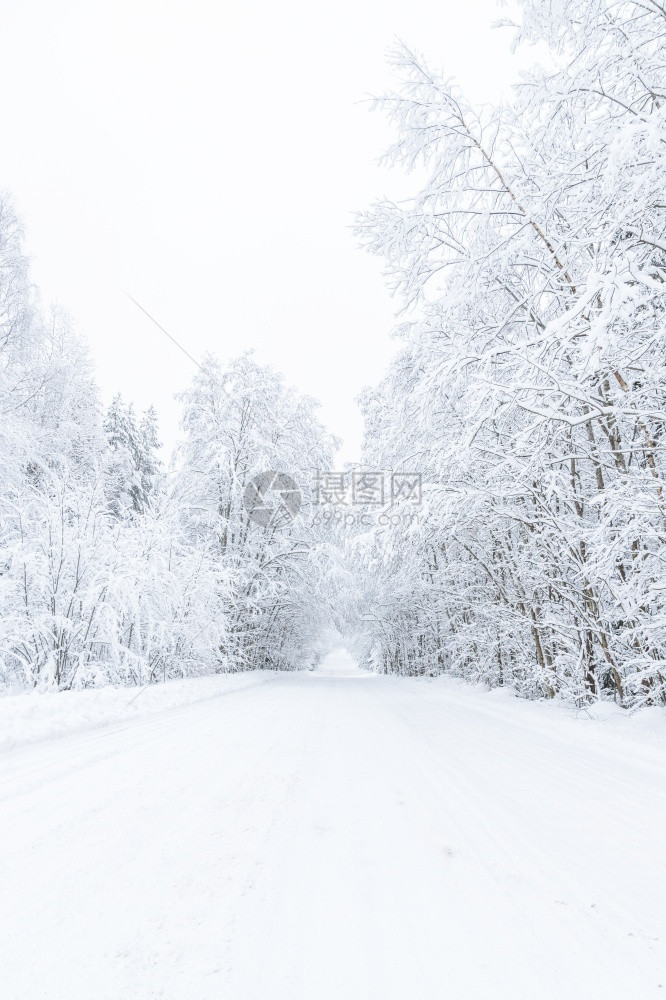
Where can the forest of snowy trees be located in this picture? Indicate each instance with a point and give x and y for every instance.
(529, 393)
(531, 388)
(113, 568)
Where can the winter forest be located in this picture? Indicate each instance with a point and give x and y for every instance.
(528, 267)
(285, 717)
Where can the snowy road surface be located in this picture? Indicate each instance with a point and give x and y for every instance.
(336, 835)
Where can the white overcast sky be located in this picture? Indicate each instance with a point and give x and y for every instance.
(207, 157)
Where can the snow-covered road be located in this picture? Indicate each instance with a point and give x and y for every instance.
(336, 835)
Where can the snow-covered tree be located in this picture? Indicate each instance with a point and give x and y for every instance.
(531, 386)
(134, 465)
(242, 423)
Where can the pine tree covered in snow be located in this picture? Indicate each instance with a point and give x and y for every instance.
(134, 464)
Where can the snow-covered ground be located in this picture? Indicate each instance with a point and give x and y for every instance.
(38, 715)
(338, 835)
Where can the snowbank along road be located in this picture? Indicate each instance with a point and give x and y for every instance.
(336, 835)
